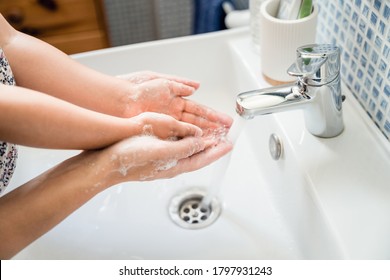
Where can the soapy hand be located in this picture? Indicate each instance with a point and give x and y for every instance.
(143, 158)
(146, 76)
(163, 126)
(165, 94)
(154, 156)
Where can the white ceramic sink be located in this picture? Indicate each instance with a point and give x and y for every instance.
(324, 199)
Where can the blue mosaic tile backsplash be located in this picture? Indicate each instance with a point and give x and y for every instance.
(362, 29)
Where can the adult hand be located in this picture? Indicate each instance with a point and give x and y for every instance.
(165, 94)
(143, 158)
(164, 148)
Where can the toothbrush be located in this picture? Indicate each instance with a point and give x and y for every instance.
(305, 9)
(294, 9)
(289, 9)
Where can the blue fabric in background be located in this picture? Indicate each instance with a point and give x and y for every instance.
(209, 16)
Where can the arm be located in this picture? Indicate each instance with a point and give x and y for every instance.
(34, 119)
(34, 208)
(41, 67)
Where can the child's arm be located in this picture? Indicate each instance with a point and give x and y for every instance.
(41, 67)
(35, 119)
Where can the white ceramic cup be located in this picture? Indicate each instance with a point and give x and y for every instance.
(280, 39)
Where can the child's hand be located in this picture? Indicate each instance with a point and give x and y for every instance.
(163, 126)
(152, 92)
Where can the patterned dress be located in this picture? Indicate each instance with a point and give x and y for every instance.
(8, 152)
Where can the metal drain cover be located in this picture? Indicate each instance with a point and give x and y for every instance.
(187, 211)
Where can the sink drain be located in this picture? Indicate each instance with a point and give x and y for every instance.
(187, 210)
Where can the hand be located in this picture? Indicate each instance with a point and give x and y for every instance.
(143, 158)
(145, 76)
(163, 126)
(165, 148)
(164, 94)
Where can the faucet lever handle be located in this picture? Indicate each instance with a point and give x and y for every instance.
(317, 64)
(305, 67)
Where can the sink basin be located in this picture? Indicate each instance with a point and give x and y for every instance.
(324, 199)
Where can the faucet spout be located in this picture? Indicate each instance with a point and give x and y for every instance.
(317, 91)
(270, 100)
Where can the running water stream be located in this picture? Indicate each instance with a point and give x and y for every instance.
(222, 165)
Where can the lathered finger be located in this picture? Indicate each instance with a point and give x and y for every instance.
(179, 89)
(185, 147)
(144, 76)
(183, 129)
(181, 80)
(164, 126)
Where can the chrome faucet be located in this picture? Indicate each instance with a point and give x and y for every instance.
(317, 91)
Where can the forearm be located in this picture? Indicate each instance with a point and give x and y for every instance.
(35, 119)
(34, 208)
(39, 66)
